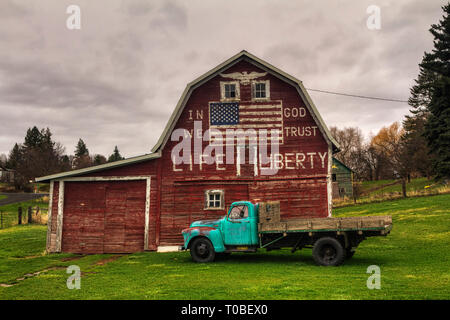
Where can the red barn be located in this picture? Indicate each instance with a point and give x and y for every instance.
(143, 203)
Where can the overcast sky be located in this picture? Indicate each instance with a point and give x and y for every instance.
(117, 79)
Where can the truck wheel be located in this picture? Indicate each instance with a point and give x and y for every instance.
(328, 251)
(202, 250)
(349, 252)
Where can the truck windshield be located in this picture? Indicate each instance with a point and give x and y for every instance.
(238, 212)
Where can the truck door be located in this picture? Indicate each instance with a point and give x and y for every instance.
(237, 226)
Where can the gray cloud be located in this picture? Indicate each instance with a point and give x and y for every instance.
(117, 80)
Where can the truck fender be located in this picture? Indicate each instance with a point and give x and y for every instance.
(214, 235)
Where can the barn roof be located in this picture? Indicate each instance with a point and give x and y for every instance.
(157, 149)
(244, 55)
(101, 167)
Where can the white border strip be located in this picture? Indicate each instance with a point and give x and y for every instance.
(330, 181)
(59, 218)
(49, 215)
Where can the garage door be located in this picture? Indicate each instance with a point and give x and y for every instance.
(104, 217)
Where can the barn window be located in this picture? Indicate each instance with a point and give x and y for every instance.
(261, 90)
(333, 177)
(214, 200)
(229, 90)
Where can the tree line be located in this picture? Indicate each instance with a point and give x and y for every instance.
(420, 145)
(39, 156)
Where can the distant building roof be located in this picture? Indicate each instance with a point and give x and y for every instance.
(3, 168)
(342, 164)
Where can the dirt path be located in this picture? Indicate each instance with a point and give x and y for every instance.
(380, 187)
(19, 197)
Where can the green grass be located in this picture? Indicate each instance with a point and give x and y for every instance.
(368, 185)
(418, 184)
(10, 211)
(2, 197)
(387, 190)
(414, 261)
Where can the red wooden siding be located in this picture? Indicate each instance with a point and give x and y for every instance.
(104, 217)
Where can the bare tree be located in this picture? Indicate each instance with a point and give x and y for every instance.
(389, 142)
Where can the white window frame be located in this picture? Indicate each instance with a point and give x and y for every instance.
(222, 91)
(221, 199)
(267, 83)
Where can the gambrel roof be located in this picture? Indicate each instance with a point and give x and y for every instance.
(157, 149)
(244, 55)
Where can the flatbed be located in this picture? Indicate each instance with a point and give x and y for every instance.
(249, 227)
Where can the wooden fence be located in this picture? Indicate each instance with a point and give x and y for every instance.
(24, 215)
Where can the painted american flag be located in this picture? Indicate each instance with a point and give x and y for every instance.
(247, 115)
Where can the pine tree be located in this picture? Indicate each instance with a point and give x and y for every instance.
(32, 138)
(415, 143)
(82, 159)
(81, 149)
(15, 157)
(431, 95)
(116, 156)
(99, 159)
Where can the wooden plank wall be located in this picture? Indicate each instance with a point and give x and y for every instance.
(104, 217)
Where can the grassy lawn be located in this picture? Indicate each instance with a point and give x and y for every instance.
(414, 261)
(419, 184)
(368, 185)
(10, 215)
(384, 190)
(2, 197)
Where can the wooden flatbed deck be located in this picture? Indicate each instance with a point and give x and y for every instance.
(360, 224)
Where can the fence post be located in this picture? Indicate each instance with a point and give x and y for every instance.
(20, 214)
(30, 215)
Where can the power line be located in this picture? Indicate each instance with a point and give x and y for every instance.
(357, 96)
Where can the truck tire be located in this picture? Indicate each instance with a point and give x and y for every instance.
(328, 251)
(202, 250)
(349, 252)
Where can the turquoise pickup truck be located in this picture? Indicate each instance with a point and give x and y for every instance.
(246, 229)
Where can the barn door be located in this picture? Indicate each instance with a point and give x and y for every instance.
(114, 239)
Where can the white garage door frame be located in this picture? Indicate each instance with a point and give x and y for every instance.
(60, 211)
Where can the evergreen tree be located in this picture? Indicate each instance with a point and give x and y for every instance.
(82, 159)
(99, 159)
(15, 157)
(33, 138)
(116, 156)
(65, 163)
(81, 149)
(431, 95)
(415, 143)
